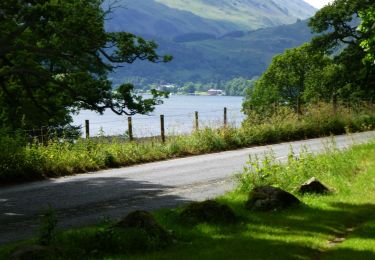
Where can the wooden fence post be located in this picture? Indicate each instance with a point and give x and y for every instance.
(87, 127)
(41, 135)
(334, 103)
(130, 128)
(162, 129)
(196, 121)
(350, 107)
(225, 117)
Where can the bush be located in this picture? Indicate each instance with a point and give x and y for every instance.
(16, 160)
(20, 161)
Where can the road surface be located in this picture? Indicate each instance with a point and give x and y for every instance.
(89, 198)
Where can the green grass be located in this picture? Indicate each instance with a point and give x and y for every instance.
(36, 161)
(298, 233)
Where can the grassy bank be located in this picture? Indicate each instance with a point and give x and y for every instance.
(19, 162)
(311, 231)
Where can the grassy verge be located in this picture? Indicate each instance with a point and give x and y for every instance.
(306, 232)
(21, 163)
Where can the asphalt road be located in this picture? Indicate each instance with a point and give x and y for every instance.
(89, 198)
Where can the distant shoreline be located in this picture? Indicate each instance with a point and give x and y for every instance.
(191, 95)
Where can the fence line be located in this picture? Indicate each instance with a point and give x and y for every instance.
(131, 124)
(147, 117)
(135, 126)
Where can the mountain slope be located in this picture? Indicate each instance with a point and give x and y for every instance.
(219, 59)
(211, 40)
(147, 17)
(169, 18)
(249, 14)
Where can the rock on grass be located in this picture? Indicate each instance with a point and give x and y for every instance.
(209, 211)
(268, 198)
(313, 186)
(30, 252)
(145, 222)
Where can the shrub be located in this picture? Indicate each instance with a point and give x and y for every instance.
(21, 161)
(17, 161)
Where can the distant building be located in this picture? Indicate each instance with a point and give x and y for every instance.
(166, 87)
(215, 92)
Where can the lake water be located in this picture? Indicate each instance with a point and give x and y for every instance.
(178, 112)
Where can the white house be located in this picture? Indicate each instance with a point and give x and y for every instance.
(215, 92)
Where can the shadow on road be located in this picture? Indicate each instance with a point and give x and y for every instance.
(79, 203)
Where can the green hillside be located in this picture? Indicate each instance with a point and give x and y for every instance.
(249, 14)
(147, 17)
(169, 18)
(219, 59)
(211, 40)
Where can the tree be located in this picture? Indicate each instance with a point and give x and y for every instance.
(55, 58)
(285, 80)
(238, 86)
(330, 68)
(189, 88)
(326, 84)
(340, 36)
(367, 26)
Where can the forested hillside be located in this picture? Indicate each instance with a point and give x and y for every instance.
(169, 18)
(210, 41)
(245, 54)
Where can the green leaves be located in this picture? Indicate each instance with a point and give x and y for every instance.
(286, 80)
(124, 102)
(367, 27)
(55, 56)
(349, 43)
(330, 68)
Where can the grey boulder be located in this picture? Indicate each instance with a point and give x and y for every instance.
(268, 198)
(313, 186)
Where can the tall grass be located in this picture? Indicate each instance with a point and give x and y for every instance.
(333, 165)
(56, 158)
(300, 233)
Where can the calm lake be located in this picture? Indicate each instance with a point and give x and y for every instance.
(178, 112)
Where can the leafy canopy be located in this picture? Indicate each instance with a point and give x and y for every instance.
(286, 79)
(341, 34)
(368, 27)
(334, 65)
(56, 58)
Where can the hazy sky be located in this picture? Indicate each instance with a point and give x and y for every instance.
(318, 3)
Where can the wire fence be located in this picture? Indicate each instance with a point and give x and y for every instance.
(144, 126)
(169, 124)
(138, 126)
